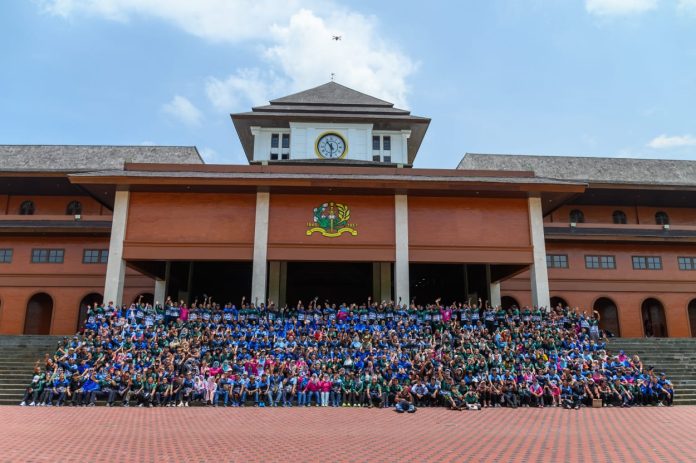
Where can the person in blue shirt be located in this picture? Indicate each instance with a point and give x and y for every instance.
(90, 389)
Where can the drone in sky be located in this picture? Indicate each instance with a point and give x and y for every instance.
(336, 37)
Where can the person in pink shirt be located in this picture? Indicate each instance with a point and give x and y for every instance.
(537, 393)
(183, 313)
(313, 389)
(555, 393)
(446, 313)
(215, 369)
(325, 388)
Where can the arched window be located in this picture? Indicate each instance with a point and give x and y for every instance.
(74, 208)
(576, 216)
(661, 218)
(26, 208)
(619, 217)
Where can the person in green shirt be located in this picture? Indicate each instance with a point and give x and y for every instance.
(34, 390)
(391, 391)
(373, 393)
(471, 399)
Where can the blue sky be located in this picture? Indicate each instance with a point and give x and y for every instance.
(550, 77)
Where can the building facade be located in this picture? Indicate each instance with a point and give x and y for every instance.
(330, 207)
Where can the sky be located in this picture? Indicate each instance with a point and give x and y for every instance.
(546, 77)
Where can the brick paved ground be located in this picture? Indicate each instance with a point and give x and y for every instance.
(355, 435)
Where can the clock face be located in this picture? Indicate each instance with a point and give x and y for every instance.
(331, 146)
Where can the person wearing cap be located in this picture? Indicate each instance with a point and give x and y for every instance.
(404, 402)
(34, 390)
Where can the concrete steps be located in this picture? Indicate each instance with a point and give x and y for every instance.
(674, 356)
(18, 355)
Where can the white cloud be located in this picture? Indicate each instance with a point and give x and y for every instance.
(619, 7)
(294, 39)
(182, 109)
(214, 20)
(243, 88)
(687, 6)
(675, 141)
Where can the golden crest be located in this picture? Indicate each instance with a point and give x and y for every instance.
(331, 220)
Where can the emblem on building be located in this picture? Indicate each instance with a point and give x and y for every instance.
(331, 219)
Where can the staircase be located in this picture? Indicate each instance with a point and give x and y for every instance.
(18, 354)
(674, 356)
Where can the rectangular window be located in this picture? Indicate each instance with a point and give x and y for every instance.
(375, 157)
(386, 143)
(606, 262)
(556, 261)
(274, 156)
(5, 256)
(375, 143)
(95, 256)
(50, 256)
(687, 263)
(286, 140)
(647, 263)
(274, 140)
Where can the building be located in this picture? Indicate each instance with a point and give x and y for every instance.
(330, 207)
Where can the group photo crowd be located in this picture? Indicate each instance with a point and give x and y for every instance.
(461, 355)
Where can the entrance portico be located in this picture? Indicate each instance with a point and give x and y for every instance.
(329, 203)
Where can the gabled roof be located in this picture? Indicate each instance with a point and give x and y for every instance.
(330, 101)
(87, 158)
(331, 94)
(593, 170)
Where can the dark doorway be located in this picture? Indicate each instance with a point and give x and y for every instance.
(39, 314)
(654, 321)
(692, 317)
(223, 281)
(451, 282)
(507, 302)
(88, 300)
(145, 298)
(556, 301)
(608, 315)
(337, 282)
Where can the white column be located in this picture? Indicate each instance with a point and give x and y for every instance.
(493, 288)
(160, 290)
(401, 276)
(539, 276)
(376, 281)
(495, 294)
(274, 281)
(385, 281)
(116, 266)
(258, 278)
(282, 292)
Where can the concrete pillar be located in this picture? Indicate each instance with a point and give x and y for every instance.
(116, 266)
(493, 289)
(274, 281)
(401, 275)
(258, 277)
(381, 281)
(283, 289)
(495, 294)
(385, 281)
(376, 280)
(539, 276)
(160, 291)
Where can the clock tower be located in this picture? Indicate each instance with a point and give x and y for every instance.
(330, 124)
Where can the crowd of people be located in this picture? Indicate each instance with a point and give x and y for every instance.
(374, 354)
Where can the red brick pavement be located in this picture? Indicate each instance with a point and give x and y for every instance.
(354, 435)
